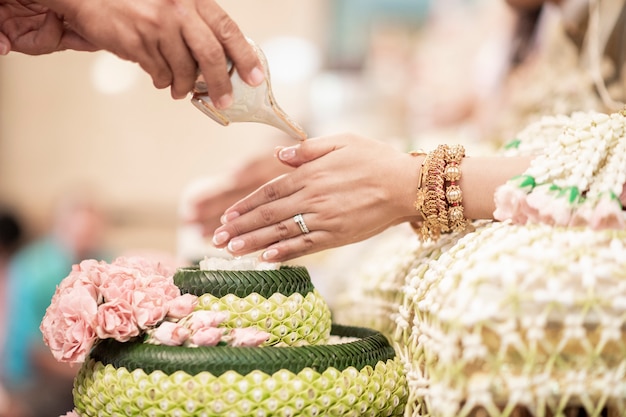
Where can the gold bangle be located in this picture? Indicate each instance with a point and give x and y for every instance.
(431, 199)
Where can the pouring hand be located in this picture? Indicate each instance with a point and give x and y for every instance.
(169, 39)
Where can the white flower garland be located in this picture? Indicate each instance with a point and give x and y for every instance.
(577, 179)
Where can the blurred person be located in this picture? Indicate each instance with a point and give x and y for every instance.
(565, 56)
(29, 369)
(171, 41)
(11, 237)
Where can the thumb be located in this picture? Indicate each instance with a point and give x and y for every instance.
(5, 44)
(304, 152)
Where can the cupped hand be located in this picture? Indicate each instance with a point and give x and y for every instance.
(207, 207)
(33, 29)
(169, 39)
(347, 188)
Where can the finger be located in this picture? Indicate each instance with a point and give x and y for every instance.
(5, 44)
(211, 59)
(151, 60)
(181, 63)
(306, 151)
(289, 249)
(265, 215)
(72, 40)
(276, 189)
(234, 44)
(263, 237)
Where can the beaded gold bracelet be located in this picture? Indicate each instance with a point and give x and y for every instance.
(454, 195)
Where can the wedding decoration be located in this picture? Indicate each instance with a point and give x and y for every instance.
(131, 298)
(576, 181)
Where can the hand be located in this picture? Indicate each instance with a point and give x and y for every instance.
(207, 206)
(169, 39)
(346, 187)
(34, 29)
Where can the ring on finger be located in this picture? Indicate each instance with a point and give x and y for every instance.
(300, 221)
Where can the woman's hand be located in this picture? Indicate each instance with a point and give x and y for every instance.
(346, 187)
(33, 29)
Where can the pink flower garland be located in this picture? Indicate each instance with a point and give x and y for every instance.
(522, 201)
(125, 299)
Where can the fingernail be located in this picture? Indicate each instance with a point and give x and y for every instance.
(229, 216)
(236, 245)
(224, 102)
(288, 153)
(269, 254)
(3, 49)
(220, 237)
(256, 76)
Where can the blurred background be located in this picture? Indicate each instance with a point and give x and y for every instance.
(389, 69)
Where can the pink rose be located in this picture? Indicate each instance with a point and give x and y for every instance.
(160, 285)
(115, 320)
(182, 306)
(68, 327)
(208, 336)
(171, 334)
(119, 283)
(247, 336)
(202, 319)
(149, 309)
(147, 265)
(88, 271)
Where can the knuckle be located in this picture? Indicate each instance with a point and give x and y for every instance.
(282, 230)
(271, 192)
(267, 215)
(226, 28)
(308, 242)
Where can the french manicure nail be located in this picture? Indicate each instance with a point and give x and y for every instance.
(236, 245)
(229, 216)
(269, 254)
(220, 238)
(288, 153)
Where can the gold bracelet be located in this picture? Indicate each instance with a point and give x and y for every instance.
(431, 199)
(454, 195)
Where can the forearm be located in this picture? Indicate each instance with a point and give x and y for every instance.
(480, 176)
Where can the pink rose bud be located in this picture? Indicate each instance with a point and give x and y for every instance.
(171, 334)
(209, 336)
(247, 336)
(205, 318)
(182, 306)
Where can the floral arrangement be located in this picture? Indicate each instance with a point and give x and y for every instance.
(578, 180)
(130, 298)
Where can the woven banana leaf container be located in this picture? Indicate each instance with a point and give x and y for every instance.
(361, 377)
(282, 302)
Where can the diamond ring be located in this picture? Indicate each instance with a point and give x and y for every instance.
(300, 220)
